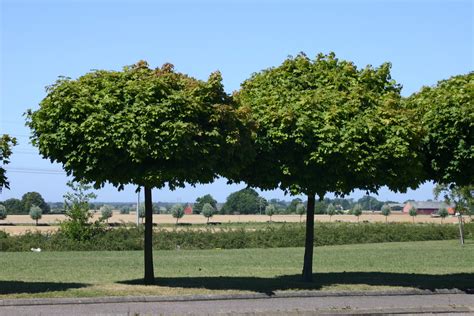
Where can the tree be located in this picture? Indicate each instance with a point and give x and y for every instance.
(300, 210)
(148, 127)
(357, 211)
(141, 212)
(291, 209)
(443, 213)
(13, 206)
(208, 211)
(370, 203)
(106, 212)
(6, 144)
(34, 198)
(270, 210)
(124, 209)
(413, 212)
(201, 201)
(331, 211)
(385, 210)
(323, 126)
(245, 201)
(36, 213)
(177, 211)
(3, 212)
(78, 225)
(462, 198)
(446, 115)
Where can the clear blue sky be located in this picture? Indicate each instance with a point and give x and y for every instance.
(426, 41)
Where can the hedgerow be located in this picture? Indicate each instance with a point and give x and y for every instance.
(271, 236)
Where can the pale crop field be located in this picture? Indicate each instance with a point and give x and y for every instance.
(23, 223)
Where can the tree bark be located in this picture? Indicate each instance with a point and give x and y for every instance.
(461, 229)
(309, 243)
(149, 273)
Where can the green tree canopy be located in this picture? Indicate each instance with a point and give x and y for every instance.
(245, 201)
(150, 127)
(6, 144)
(177, 211)
(446, 114)
(36, 213)
(324, 125)
(208, 211)
(291, 208)
(200, 201)
(13, 206)
(3, 211)
(142, 126)
(34, 198)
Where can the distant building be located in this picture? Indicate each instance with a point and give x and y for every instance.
(427, 207)
(188, 210)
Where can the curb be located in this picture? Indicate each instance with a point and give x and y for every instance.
(216, 297)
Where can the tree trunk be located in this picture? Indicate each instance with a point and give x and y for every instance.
(308, 250)
(461, 229)
(149, 273)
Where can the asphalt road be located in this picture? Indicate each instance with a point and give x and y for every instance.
(459, 304)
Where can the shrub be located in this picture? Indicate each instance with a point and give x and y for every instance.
(270, 236)
(36, 213)
(77, 226)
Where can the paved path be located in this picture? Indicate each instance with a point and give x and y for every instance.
(459, 304)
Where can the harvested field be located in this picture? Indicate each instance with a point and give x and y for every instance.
(19, 224)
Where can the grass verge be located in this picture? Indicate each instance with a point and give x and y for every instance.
(415, 265)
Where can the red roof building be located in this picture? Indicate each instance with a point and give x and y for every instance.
(188, 210)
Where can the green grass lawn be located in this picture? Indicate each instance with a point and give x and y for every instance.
(421, 265)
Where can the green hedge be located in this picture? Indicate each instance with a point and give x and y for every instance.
(271, 236)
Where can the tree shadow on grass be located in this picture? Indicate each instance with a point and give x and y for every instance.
(17, 287)
(461, 281)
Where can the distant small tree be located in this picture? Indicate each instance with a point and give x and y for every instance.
(412, 212)
(125, 210)
(3, 212)
(270, 210)
(331, 211)
(208, 211)
(106, 212)
(36, 213)
(141, 212)
(177, 211)
(357, 211)
(300, 210)
(443, 213)
(386, 211)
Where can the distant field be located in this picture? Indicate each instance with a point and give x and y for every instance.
(24, 223)
(422, 265)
